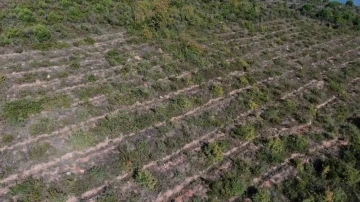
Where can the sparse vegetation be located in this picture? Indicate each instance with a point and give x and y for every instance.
(80, 140)
(18, 111)
(115, 57)
(168, 100)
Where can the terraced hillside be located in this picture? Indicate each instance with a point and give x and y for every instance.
(240, 110)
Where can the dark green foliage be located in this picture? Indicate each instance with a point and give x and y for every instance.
(273, 151)
(42, 33)
(227, 187)
(296, 143)
(334, 12)
(272, 115)
(349, 3)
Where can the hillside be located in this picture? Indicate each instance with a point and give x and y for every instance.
(179, 100)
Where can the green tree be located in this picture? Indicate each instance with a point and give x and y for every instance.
(349, 3)
(42, 33)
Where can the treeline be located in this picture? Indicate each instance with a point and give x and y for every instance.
(41, 22)
(339, 15)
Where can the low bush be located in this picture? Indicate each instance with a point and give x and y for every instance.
(7, 139)
(42, 33)
(217, 90)
(25, 15)
(246, 132)
(114, 57)
(262, 196)
(81, 140)
(39, 150)
(91, 78)
(145, 178)
(213, 152)
(18, 111)
(2, 79)
(273, 151)
(227, 187)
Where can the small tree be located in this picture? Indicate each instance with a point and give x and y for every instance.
(349, 3)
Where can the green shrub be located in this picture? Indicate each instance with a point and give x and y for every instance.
(114, 57)
(8, 36)
(296, 143)
(252, 105)
(7, 139)
(42, 126)
(53, 17)
(30, 190)
(217, 90)
(19, 110)
(273, 151)
(75, 64)
(81, 140)
(74, 14)
(262, 196)
(145, 178)
(99, 8)
(290, 106)
(91, 78)
(39, 150)
(272, 115)
(213, 152)
(42, 33)
(2, 79)
(65, 3)
(25, 15)
(227, 187)
(246, 132)
(56, 101)
(86, 41)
